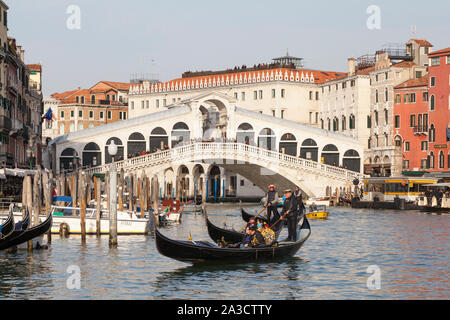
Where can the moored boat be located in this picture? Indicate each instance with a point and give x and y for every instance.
(316, 212)
(206, 252)
(35, 234)
(7, 226)
(69, 218)
(19, 228)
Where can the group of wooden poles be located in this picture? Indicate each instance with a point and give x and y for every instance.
(142, 191)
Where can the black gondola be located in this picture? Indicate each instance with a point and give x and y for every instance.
(19, 228)
(7, 227)
(246, 216)
(30, 234)
(230, 236)
(206, 252)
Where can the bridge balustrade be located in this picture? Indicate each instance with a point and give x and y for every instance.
(195, 151)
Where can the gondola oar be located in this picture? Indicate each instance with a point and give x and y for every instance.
(264, 209)
(281, 218)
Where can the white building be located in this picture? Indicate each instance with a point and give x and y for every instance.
(277, 90)
(344, 104)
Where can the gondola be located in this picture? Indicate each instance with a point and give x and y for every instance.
(229, 236)
(31, 233)
(7, 227)
(19, 228)
(246, 216)
(197, 252)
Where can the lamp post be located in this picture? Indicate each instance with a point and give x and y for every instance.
(112, 150)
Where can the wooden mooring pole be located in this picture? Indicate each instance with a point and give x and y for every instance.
(113, 206)
(98, 211)
(82, 197)
(47, 184)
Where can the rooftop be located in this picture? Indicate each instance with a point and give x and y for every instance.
(420, 82)
(439, 52)
(422, 42)
(35, 67)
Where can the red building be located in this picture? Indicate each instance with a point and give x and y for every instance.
(439, 119)
(411, 116)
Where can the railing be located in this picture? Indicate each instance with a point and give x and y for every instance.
(235, 151)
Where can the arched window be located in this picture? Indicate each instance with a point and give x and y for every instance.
(344, 123)
(92, 156)
(180, 134)
(159, 139)
(431, 160)
(330, 155)
(352, 161)
(432, 134)
(68, 159)
(120, 150)
(441, 160)
(267, 139)
(376, 96)
(135, 145)
(351, 124)
(432, 102)
(288, 144)
(245, 134)
(335, 124)
(93, 99)
(309, 150)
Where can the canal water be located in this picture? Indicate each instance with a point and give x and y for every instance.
(410, 250)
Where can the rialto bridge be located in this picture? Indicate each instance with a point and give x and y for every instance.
(209, 138)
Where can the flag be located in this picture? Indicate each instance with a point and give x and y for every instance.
(48, 115)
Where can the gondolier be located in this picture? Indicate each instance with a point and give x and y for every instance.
(299, 196)
(271, 204)
(290, 213)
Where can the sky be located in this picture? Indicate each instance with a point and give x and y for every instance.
(116, 39)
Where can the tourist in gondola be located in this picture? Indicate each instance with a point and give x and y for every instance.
(271, 205)
(266, 232)
(256, 238)
(289, 213)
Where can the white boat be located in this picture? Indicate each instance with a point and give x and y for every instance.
(68, 217)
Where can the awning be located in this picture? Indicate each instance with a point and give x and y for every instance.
(414, 173)
(15, 173)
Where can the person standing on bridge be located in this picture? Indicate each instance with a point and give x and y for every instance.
(271, 205)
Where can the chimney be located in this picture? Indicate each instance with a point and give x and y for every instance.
(351, 66)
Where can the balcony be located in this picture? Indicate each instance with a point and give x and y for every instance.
(420, 130)
(6, 159)
(5, 123)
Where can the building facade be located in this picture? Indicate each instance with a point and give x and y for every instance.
(411, 123)
(80, 109)
(439, 110)
(382, 157)
(279, 90)
(344, 104)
